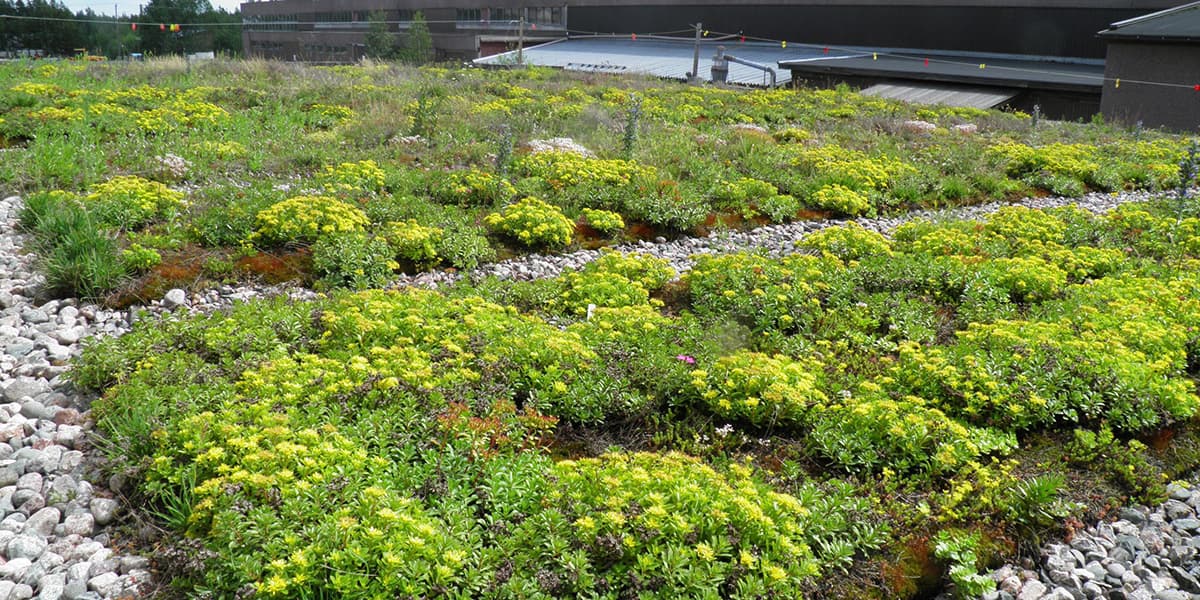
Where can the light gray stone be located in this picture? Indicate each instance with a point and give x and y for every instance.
(174, 298)
(104, 509)
(26, 546)
(51, 587)
(25, 387)
(43, 521)
(15, 569)
(134, 563)
(21, 591)
(79, 571)
(74, 590)
(79, 524)
(105, 584)
(1032, 590)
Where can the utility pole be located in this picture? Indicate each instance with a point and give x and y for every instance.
(696, 56)
(521, 40)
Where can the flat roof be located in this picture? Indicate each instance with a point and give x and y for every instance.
(1179, 24)
(1010, 71)
(664, 57)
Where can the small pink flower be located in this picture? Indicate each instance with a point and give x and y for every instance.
(687, 359)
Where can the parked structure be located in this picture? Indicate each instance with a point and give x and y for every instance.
(1151, 73)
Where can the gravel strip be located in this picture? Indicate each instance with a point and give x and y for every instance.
(1146, 554)
(774, 240)
(56, 515)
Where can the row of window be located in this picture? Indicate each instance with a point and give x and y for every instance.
(549, 15)
(362, 16)
(545, 15)
(270, 23)
(261, 46)
(324, 49)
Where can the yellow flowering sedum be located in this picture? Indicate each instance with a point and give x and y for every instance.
(131, 201)
(304, 219)
(533, 223)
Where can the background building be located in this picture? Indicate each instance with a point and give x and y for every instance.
(1157, 60)
(335, 29)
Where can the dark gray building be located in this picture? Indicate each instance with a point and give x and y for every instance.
(334, 30)
(1152, 72)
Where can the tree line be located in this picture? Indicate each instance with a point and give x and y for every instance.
(48, 27)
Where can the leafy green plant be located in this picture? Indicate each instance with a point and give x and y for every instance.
(353, 260)
(138, 258)
(130, 202)
(961, 550)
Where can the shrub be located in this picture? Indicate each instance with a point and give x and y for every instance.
(851, 168)
(471, 187)
(305, 219)
(138, 258)
(353, 260)
(130, 201)
(849, 242)
(868, 431)
(533, 223)
(961, 550)
(650, 272)
(760, 389)
(604, 221)
(349, 177)
(779, 208)
(1026, 279)
(841, 199)
(633, 518)
(414, 242)
(561, 169)
(758, 292)
(605, 289)
(465, 247)
(742, 195)
(1077, 161)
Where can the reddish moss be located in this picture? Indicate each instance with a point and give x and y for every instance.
(278, 267)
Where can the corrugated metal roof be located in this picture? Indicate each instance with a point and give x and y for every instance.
(1181, 23)
(665, 58)
(949, 96)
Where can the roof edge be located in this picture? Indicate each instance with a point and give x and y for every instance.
(1154, 15)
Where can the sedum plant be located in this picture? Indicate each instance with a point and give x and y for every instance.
(305, 219)
(533, 223)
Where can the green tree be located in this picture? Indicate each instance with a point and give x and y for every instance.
(418, 44)
(175, 12)
(379, 41)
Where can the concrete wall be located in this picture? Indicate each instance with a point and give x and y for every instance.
(1176, 108)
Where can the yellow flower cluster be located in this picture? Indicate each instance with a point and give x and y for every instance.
(534, 223)
(304, 219)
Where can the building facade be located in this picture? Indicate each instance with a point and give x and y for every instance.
(335, 30)
(1152, 72)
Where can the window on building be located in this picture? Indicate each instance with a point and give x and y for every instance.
(270, 23)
